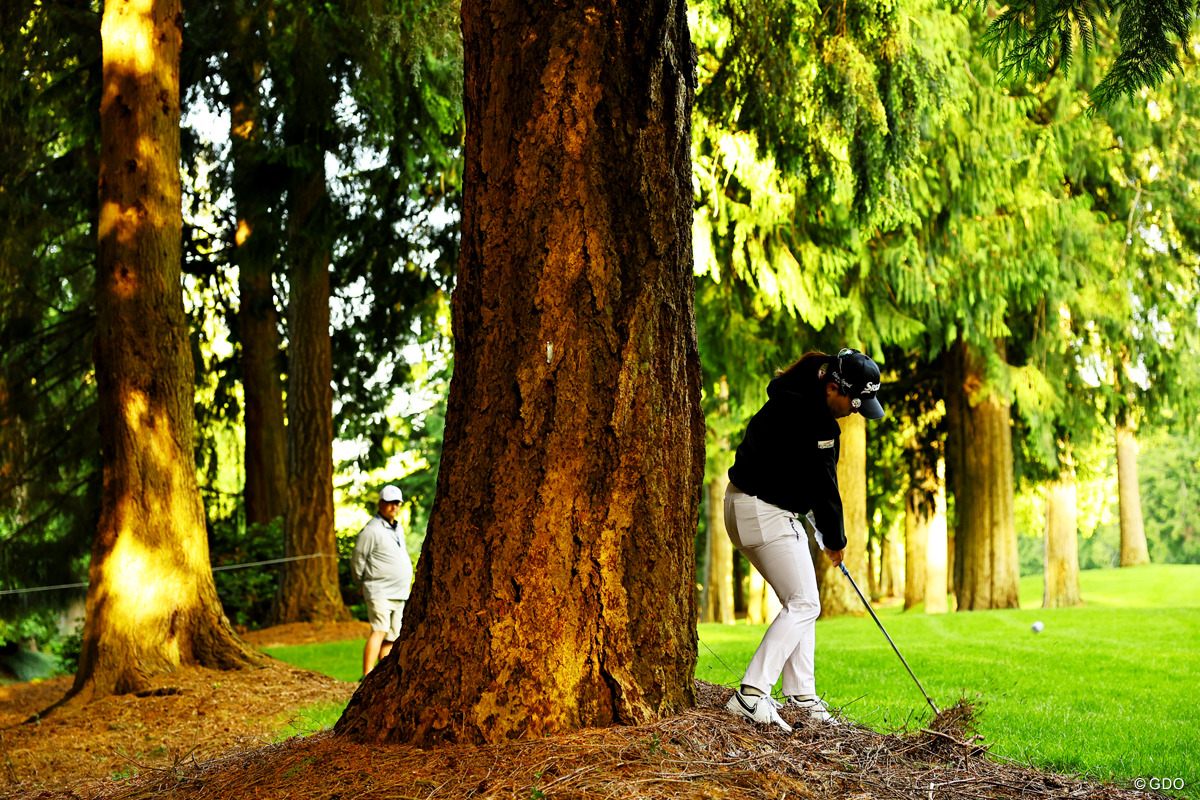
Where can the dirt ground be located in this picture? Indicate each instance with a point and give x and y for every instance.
(207, 735)
(195, 714)
(307, 633)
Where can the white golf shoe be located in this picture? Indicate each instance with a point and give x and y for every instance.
(816, 708)
(757, 708)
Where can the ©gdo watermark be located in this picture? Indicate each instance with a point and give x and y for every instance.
(1160, 784)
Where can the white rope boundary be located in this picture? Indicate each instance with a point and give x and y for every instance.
(214, 569)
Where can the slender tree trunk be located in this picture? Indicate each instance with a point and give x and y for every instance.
(265, 452)
(937, 559)
(770, 603)
(950, 562)
(556, 584)
(1061, 585)
(889, 578)
(874, 562)
(979, 441)
(718, 587)
(720, 556)
(152, 605)
(837, 595)
(917, 518)
(756, 610)
(308, 588)
(1133, 534)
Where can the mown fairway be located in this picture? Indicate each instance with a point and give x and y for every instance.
(1107, 689)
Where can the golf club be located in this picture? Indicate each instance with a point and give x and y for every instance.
(821, 543)
(889, 638)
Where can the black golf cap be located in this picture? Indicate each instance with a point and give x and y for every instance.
(858, 378)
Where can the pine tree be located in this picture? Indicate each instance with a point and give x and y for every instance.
(572, 462)
(152, 605)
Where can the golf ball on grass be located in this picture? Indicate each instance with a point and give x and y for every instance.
(1037, 626)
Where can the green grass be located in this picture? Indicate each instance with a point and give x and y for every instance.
(1107, 689)
(341, 660)
(312, 719)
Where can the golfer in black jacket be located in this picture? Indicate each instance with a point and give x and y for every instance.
(784, 468)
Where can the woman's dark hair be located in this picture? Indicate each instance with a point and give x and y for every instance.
(809, 363)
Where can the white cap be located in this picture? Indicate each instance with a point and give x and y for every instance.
(390, 494)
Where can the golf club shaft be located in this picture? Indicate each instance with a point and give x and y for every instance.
(889, 638)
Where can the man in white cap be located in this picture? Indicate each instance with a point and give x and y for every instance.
(381, 567)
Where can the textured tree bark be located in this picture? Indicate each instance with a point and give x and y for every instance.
(151, 604)
(555, 588)
(308, 588)
(1061, 584)
(837, 595)
(720, 556)
(937, 550)
(1133, 533)
(979, 442)
(265, 451)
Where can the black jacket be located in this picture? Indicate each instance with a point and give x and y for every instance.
(790, 453)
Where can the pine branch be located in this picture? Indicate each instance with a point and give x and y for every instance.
(1150, 33)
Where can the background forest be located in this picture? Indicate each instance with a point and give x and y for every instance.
(1023, 264)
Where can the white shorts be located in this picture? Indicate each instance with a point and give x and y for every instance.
(386, 616)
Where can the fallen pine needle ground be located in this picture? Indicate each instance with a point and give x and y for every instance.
(705, 752)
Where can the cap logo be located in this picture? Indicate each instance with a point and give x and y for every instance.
(871, 387)
(855, 403)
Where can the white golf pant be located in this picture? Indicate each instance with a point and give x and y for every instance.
(775, 542)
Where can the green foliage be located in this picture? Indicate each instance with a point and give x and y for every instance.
(424, 440)
(1038, 37)
(375, 91)
(246, 594)
(49, 432)
(833, 93)
(1169, 477)
(31, 647)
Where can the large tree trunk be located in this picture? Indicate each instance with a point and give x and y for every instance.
(556, 584)
(720, 556)
(151, 605)
(837, 595)
(1133, 534)
(979, 442)
(308, 589)
(1061, 586)
(937, 558)
(265, 451)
